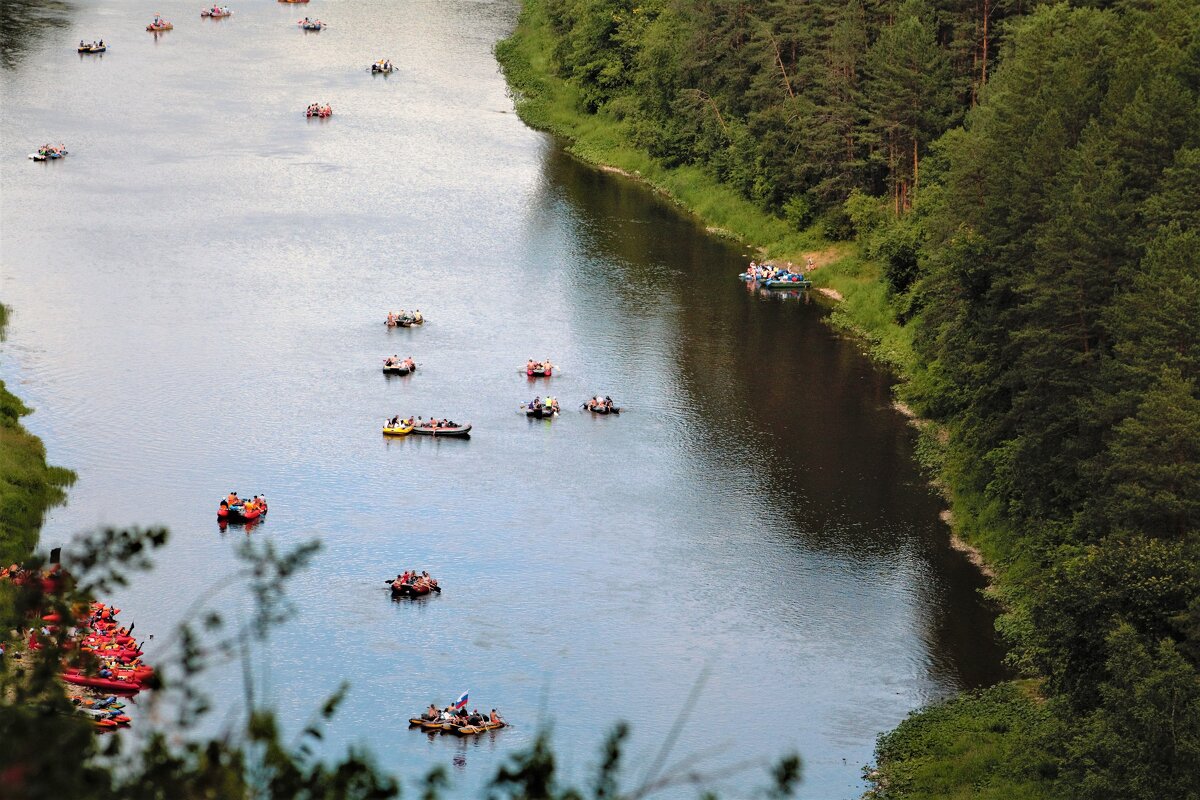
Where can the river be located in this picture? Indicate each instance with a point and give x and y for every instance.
(198, 293)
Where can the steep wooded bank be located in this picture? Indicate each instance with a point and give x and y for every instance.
(1022, 180)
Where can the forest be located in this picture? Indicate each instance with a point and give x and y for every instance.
(1024, 177)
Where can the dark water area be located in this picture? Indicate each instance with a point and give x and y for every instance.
(198, 295)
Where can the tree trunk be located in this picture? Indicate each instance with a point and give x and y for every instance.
(987, 10)
(913, 198)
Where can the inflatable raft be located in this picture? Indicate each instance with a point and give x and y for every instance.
(159, 27)
(472, 730)
(92, 48)
(461, 431)
(539, 371)
(238, 513)
(409, 590)
(794, 282)
(398, 369)
(399, 430)
(602, 409)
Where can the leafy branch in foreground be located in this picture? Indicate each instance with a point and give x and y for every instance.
(52, 753)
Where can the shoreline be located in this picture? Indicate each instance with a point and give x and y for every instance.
(29, 486)
(842, 280)
(970, 734)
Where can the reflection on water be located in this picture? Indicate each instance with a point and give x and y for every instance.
(212, 306)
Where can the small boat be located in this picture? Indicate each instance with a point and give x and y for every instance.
(94, 47)
(114, 685)
(293, 1)
(472, 730)
(412, 590)
(398, 430)
(426, 429)
(47, 153)
(427, 725)
(311, 24)
(238, 512)
(398, 369)
(319, 111)
(540, 410)
(159, 24)
(384, 67)
(788, 282)
(540, 370)
(216, 12)
(601, 408)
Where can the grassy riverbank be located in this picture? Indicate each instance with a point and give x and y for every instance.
(28, 485)
(977, 745)
(546, 102)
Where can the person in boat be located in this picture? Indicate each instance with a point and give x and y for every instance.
(495, 718)
(232, 499)
(408, 362)
(431, 713)
(391, 319)
(474, 718)
(417, 316)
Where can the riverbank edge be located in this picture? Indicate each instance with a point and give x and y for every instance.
(29, 486)
(952, 748)
(850, 285)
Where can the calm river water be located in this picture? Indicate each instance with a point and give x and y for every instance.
(198, 292)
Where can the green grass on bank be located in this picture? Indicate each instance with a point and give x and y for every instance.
(980, 745)
(549, 103)
(28, 485)
(546, 102)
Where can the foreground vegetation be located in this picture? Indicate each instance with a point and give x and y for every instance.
(1020, 184)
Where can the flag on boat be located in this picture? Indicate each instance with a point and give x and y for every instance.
(461, 702)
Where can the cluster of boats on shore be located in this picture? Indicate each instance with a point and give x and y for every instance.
(773, 277)
(101, 659)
